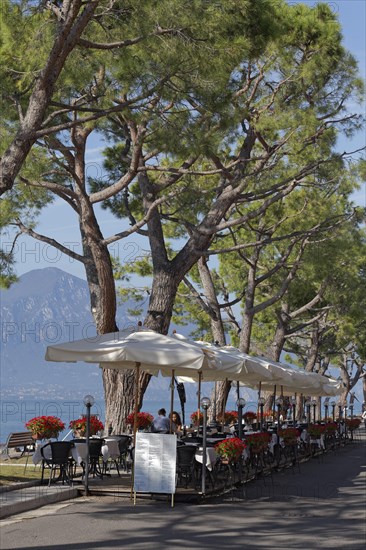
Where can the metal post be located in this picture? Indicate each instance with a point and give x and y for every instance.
(261, 405)
(308, 404)
(86, 479)
(205, 404)
(279, 402)
(240, 404)
(88, 402)
(293, 406)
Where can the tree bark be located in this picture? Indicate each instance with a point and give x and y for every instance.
(69, 31)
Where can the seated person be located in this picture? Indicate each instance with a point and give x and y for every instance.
(161, 424)
(177, 427)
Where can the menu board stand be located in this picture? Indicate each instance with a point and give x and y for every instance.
(155, 464)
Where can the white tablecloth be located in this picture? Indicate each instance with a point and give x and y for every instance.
(211, 457)
(78, 452)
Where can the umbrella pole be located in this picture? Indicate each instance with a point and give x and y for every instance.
(223, 412)
(259, 396)
(199, 402)
(171, 401)
(274, 402)
(137, 377)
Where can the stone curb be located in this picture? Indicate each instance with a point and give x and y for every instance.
(30, 498)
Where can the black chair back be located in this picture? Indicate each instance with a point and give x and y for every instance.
(186, 464)
(185, 455)
(124, 443)
(95, 448)
(60, 452)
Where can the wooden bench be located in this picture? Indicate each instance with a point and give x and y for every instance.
(18, 440)
(22, 441)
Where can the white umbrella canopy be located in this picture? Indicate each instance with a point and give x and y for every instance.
(221, 364)
(122, 350)
(143, 349)
(227, 362)
(288, 377)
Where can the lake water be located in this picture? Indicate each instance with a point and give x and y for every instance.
(16, 412)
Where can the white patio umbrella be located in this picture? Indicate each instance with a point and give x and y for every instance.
(143, 349)
(227, 362)
(288, 377)
(230, 364)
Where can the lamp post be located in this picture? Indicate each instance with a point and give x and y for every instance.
(351, 409)
(293, 405)
(308, 405)
(314, 404)
(240, 403)
(326, 406)
(339, 411)
(279, 402)
(261, 401)
(333, 410)
(88, 402)
(205, 405)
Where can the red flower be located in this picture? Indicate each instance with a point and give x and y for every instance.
(249, 416)
(45, 426)
(230, 448)
(289, 435)
(80, 424)
(353, 423)
(144, 420)
(197, 418)
(230, 417)
(258, 442)
(316, 430)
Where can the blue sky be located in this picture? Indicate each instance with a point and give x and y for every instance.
(59, 221)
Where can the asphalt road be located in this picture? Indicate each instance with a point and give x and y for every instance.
(322, 506)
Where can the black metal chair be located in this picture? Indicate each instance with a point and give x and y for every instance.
(95, 454)
(124, 442)
(124, 445)
(57, 459)
(186, 464)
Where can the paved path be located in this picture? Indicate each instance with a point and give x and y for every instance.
(321, 507)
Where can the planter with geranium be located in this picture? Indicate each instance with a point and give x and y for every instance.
(78, 426)
(258, 442)
(230, 449)
(197, 418)
(144, 420)
(45, 427)
(330, 428)
(316, 430)
(353, 423)
(289, 436)
(249, 417)
(230, 417)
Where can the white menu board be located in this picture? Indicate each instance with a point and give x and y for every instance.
(155, 463)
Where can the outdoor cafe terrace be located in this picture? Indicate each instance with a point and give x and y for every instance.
(204, 459)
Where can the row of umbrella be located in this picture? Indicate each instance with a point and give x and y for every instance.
(189, 360)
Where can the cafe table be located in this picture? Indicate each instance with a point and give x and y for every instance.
(78, 452)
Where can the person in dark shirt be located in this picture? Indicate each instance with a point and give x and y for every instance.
(177, 427)
(161, 424)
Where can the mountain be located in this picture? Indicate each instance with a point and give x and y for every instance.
(47, 306)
